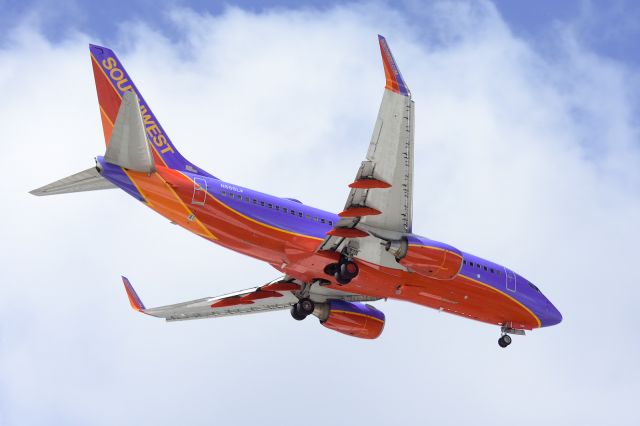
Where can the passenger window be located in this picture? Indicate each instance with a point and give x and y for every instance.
(492, 271)
(478, 265)
(321, 220)
(331, 222)
(485, 268)
(300, 214)
(464, 262)
(224, 192)
(293, 212)
(270, 205)
(230, 195)
(315, 219)
(255, 201)
(247, 199)
(284, 209)
(277, 208)
(471, 263)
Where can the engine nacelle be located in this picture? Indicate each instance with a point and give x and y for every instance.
(427, 257)
(353, 319)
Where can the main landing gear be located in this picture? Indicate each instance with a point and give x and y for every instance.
(343, 271)
(302, 309)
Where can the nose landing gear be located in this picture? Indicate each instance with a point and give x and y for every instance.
(504, 341)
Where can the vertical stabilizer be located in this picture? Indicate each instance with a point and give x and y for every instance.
(112, 82)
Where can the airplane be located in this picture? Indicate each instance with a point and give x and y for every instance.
(333, 265)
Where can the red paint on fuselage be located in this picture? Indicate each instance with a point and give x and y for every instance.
(296, 255)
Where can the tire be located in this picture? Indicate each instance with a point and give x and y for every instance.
(349, 270)
(306, 306)
(502, 343)
(507, 339)
(297, 315)
(341, 280)
(331, 269)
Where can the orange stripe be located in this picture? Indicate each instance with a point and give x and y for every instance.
(161, 198)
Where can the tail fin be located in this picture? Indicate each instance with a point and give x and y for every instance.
(112, 81)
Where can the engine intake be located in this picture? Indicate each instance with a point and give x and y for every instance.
(353, 319)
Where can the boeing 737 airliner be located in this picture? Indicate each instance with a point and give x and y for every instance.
(332, 264)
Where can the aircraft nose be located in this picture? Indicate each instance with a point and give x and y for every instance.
(552, 315)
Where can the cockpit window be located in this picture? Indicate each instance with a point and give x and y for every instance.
(534, 287)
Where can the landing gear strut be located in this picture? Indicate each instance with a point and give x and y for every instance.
(343, 271)
(302, 309)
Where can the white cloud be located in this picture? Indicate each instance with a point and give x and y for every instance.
(523, 158)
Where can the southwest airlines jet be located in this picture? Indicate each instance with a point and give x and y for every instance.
(332, 264)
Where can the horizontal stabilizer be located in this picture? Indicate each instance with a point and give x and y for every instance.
(128, 146)
(88, 180)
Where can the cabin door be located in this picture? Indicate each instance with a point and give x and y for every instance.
(199, 191)
(510, 279)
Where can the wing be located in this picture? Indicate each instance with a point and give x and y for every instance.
(277, 295)
(380, 199)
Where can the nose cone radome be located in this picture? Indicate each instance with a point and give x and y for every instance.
(551, 316)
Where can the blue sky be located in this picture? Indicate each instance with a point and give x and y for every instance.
(610, 28)
(526, 154)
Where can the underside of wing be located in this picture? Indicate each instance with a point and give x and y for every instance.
(380, 199)
(277, 295)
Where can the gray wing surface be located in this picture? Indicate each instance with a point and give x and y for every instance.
(381, 197)
(380, 202)
(277, 295)
(87, 180)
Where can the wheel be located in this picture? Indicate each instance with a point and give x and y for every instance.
(341, 280)
(349, 269)
(306, 306)
(331, 269)
(297, 315)
(504, 341)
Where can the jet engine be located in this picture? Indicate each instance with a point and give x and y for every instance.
(353, 319)
(427, 257)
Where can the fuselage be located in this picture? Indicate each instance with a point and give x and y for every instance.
(287, 233)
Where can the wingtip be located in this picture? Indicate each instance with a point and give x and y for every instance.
(134, 299)
(395, 82)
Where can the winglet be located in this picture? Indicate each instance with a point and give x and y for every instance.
(134, 300)
(395, 82)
